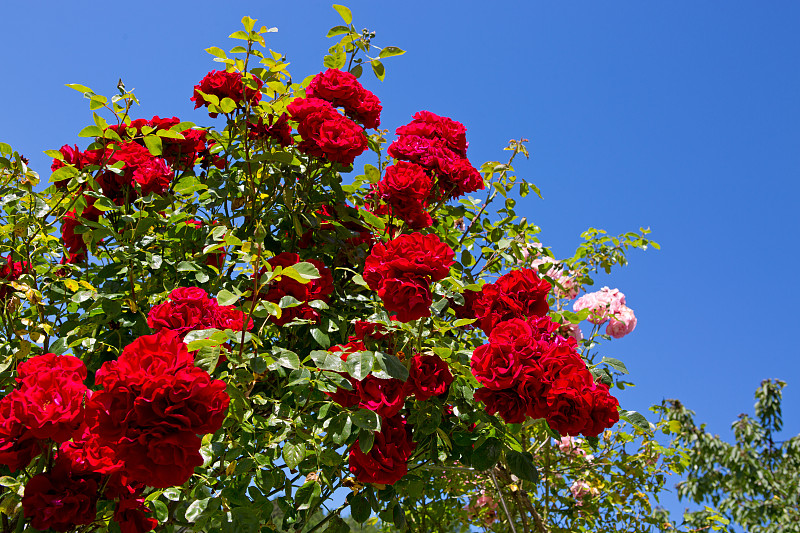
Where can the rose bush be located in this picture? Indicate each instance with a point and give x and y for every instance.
(231, 323)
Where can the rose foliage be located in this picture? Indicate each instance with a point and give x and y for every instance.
(215, 328)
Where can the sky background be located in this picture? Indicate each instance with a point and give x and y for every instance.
(681, 116)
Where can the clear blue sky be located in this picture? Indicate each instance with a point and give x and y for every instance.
(682, 116)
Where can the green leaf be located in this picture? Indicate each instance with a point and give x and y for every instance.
(366, 419)
(218, 52)
(286, 358)
(616, 364)
(339, 429)
(302, 272)
(91, 131)
(321, 337)
(359, 364)
(307, 494)
(160, 508)
(487, 454)
(360, 509)
(293, 454)
(390, 51)
(243, 35)
(326, 360)
(365, 440)
(636, 419)
(377, 68)
(344, 12)
(464, 322)
(226, 297)
(338, 30)
(195, 509)
(392, 366)
(521, 465)
(80, 88)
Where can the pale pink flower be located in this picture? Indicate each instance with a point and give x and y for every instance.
(621, 323)
(580, 490)
(601, 304)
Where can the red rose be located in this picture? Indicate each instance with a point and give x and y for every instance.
(325, 132)
(518, 294)
(428, 376)
(605, 411)
(412, 255)
(511, 406)
(188, 308)
(18, 446)
(343, 89)
(49, 401)
(569, 405)
(408, 297)
(227, 85)
(387, 461)
(430, 125)
(147, 357)
(59, 500)
(160, 457)
(187, 400)
(317, 289)
(88, 453)
(384, 396)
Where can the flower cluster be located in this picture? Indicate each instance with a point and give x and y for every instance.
(529, 370)
(608, 305)
(190, 308)
(153, 404)
(325, 132)
(320, 288)
(517, 294)
(402, 270)
(342, 89)
(231, 85)
(429, 376)
(432, 167)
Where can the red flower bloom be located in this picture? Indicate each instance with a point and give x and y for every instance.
(507, 402)
(384, 396)
(277, 130)
(317, 289)
(325, 132)
(60, 500)
(518, 294)
(343, 89)
(387, 461)
(18, 446)
(227, 85)
(428, 376)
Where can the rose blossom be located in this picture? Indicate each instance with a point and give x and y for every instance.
(600, 304)
(428, 376)
(387, 460)
(621, 323)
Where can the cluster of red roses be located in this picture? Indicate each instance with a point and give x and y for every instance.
(224, 84)
(432, 166)
(10, 271)
(324, 131)
(320, 288)
(402, 270)
(141, 172)
(190, 308)
(429, 375)
(526, 368)
(141, 429)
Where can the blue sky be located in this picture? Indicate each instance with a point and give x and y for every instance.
(681, 116)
